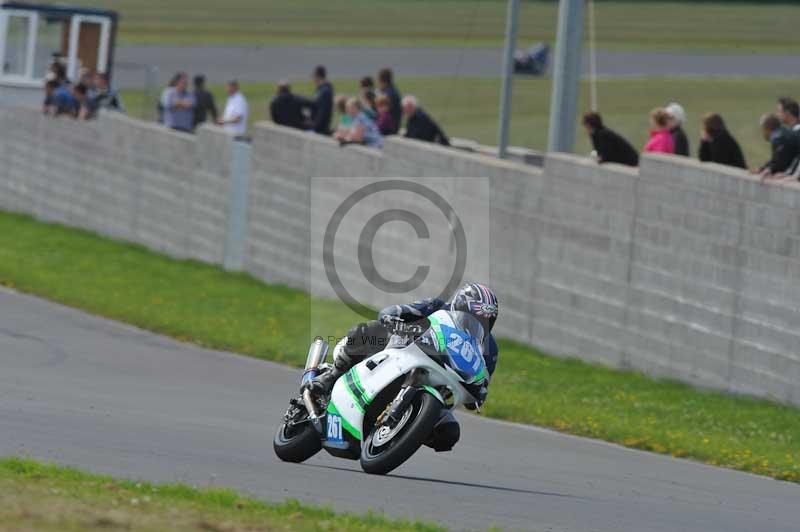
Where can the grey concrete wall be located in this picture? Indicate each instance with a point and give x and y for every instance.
(119, 177)
(680, 269)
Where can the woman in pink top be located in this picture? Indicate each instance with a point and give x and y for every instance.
(660, 136)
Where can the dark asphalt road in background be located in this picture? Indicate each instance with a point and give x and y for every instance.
(89, 392)
(272, 63)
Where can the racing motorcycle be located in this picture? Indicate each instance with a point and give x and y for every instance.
(386, 407)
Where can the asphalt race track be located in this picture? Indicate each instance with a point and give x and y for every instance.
(272, 63)
(89, 392)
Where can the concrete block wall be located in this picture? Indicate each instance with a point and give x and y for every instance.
(119, 177)
(714, 275)
(680, 269)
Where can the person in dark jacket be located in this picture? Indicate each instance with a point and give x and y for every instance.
(785, 146)
(388, 89)
(288, 109)
(610, 146)
(322, 112)
(419, 125)
(204, 102)
(789, 113)
(717, 145)
(677, 118)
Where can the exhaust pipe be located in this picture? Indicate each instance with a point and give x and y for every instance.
(317, 353)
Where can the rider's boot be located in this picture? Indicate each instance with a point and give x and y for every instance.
(362, 341)
(323, 384)
(446, 433)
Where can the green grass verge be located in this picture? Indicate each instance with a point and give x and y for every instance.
(738, 27)
(35, 496)
(203, 304)
(468, 107)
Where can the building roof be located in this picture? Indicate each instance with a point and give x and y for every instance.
(61, 9)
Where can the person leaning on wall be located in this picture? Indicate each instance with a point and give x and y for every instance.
(661, 140)
(784, 145)
(677, 117)
(609, 146)
(717, 145)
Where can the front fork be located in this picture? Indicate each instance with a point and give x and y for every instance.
(409, 390)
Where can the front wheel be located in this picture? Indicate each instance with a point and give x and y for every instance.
(387, 446)
(296, 443)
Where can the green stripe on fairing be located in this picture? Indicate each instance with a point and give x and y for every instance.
(437, 330)
(479, 376)
(360, 387)
(351, 429)
(433, 391)
(347, 426)
(349, 385)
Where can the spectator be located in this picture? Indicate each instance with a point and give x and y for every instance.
(179, 105)
(419, 125)
(660, 136)
(162, 100)
(385, 121)
(368, 97)
(59, 100)
(363, 130)
(80, 93)
(677, 117)
(717, 145)
(368, 102)
(104, 97)
(234, 118)
(789, 113)
(610, 146)
(323, 102)
(785, 146)
(205, 106)
(86, 78)
(386, 85)
(59, 72)
(341, 107)
(288, 109)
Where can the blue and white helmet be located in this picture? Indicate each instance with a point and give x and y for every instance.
(478, 300)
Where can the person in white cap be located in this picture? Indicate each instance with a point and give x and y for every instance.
(677, 117)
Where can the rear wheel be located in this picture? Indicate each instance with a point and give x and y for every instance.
(298, 440)
(389, 445)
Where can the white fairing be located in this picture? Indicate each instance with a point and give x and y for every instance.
(380, 370)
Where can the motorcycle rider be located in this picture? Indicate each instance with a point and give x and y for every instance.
(367, 339)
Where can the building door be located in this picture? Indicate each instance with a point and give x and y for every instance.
(88, 44)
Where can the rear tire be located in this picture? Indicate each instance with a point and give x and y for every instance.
(296, 443)
(383, 459)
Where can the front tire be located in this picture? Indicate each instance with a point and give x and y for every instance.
(296, 443)
(381, 459)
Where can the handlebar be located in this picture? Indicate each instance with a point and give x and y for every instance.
(398, 327)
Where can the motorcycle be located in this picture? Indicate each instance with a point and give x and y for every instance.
(386, 407)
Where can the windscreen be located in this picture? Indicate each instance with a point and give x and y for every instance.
(464, 346)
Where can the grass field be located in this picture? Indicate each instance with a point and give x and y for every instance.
(203, 304)
(722, 27)
(35, 496)
(468, 107)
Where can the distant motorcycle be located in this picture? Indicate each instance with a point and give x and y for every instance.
(386, 407)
